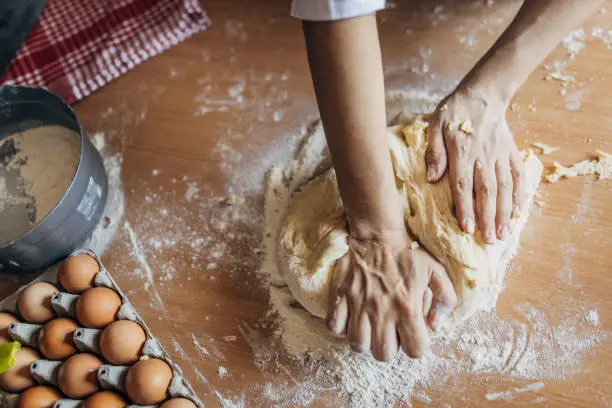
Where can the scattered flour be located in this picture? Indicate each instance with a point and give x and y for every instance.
(573, 100)
(508, 395)
(222, 372)
(113, 213)
(575, 42)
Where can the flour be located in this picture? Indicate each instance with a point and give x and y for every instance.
(528, 346)
(575, 42)
(36, 168)
(112, 216)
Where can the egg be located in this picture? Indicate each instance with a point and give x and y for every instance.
(98, 307)
(39, 397)
(18, 377)
(122, 341)
(105, 399)
(55, 340)
(178, 403)
(35, 303)
(78, 376)
(77, 273)
(147, 381)
(5, 321)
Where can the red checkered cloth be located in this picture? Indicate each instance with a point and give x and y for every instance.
(79, 46)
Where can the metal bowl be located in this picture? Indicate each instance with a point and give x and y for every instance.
(78, 212)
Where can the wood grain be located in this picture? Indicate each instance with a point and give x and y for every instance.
(153, 116)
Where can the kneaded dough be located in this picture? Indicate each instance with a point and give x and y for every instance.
(314, 233)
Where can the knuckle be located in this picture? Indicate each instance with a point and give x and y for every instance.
(505, 183)
(462, 184)
(487, 189)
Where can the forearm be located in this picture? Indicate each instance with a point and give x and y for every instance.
(346, 68)
(535, 31)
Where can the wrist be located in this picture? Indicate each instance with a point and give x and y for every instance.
(366, 230)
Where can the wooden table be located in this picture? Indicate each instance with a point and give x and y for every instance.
(216, 112)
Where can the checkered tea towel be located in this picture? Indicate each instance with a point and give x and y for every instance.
(78, 46)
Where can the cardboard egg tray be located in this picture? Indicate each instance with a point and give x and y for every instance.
(110, 377)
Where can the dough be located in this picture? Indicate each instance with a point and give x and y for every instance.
(601, 166)
(314, 233)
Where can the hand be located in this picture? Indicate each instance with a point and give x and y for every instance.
(377, 295)
(469, 135)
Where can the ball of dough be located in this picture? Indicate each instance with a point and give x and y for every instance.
(314, 233)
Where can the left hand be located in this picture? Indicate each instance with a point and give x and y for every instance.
(468, 135)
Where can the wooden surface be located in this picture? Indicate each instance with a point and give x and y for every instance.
(204, 113)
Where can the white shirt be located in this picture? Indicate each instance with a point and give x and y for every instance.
(329, 10)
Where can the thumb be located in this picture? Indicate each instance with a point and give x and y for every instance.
(435, 156)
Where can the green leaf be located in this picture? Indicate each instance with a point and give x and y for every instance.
(8, 351)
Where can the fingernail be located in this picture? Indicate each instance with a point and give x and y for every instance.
(431, 173)
(490, 237)
(502, 232)
(468, 226)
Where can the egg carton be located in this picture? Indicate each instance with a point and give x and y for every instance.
(87, 340)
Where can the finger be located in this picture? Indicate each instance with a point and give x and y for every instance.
(360, 331)
(461, 173)
(485, 187)
(444, 298)
(519, 192)
(435, 156)
(337, 306)
(412, 331)
(504, 198)
(337, 317)
(384, 339)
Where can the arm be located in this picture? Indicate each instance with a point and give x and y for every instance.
(484, 162)
(377, 289)
(347, 73)
(535, 31)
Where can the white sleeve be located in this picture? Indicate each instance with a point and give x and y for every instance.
(329, 10)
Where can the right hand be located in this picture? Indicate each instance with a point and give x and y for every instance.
(377, 292)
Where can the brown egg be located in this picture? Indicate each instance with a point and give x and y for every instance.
(122, 341)
(18, 377)
(5, 321)
(55, 340)
(39, 397)
(77, 273)
(78, 376)
(147, 381)
(35, 303)
(105, 399)
(178, 403)
(98, 307)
